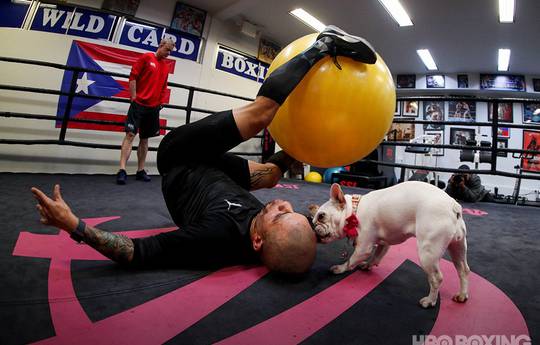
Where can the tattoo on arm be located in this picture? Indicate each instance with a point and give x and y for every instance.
(116, 247)
(260, 178)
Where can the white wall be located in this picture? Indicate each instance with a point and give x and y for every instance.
(451, 159)
(54, 48)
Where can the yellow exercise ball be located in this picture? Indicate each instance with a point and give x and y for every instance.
(313, 176)
(334, 117)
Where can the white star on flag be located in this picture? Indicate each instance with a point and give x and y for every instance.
(83, 83)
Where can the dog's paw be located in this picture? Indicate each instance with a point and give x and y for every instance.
(338, 269)
(312, 208)
(427, 302)
(460, 298)
(365, 266)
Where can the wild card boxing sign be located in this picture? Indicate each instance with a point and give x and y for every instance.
(73, 21)
(241, 65)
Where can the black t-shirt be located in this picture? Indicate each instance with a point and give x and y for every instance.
(214, 215)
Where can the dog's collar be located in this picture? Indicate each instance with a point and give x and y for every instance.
(352, 222)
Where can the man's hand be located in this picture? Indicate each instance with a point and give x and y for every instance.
(55, 211)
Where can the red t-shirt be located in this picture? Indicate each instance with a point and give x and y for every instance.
(151, 75)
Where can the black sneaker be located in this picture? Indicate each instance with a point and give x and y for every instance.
(121, 176)
(343, 44)
(142, 176)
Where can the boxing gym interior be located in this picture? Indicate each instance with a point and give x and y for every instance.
(423, 112)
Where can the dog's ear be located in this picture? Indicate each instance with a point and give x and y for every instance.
(337, 194)
(313, 210)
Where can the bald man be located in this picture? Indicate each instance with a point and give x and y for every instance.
(207, 189)
(147, 86)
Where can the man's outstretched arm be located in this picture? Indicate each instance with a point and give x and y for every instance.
(54, 211)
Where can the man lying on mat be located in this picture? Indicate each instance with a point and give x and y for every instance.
(206, 189)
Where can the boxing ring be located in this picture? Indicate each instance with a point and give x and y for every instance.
(56, 291)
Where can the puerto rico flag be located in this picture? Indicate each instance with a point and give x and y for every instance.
(101, 58)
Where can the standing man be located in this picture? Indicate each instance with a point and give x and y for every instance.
(147, 86)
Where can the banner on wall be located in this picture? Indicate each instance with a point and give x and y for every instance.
(12, 14)
(101, 58)
(73, 21)
(241, 65)
(147, 37)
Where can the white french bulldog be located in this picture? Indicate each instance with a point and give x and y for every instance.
(389, 216)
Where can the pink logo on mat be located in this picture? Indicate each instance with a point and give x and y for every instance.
(145, 324)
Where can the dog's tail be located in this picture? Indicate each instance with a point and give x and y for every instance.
(461, 229)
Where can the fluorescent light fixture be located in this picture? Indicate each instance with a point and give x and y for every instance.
(397, 12)
(506, 11)
(308, 19)
(427, 59)
(504, 59)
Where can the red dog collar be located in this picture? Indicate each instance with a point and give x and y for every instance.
(352, 222)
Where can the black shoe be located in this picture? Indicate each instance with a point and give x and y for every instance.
(121, 176)
(142, 176)
(343, 44)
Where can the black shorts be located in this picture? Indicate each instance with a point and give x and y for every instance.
(142, 120)
(204, 142)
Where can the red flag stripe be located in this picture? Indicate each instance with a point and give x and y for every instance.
(105, 117)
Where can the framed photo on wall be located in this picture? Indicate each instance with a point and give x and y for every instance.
(462, 111)
(435, 81)
(406, 81)
(502, 82)
(536, 85)
(188, 19)
(397, 110)
(410, 108)
(438, 139)
(531, 141)
(531, 112)
(401, 132)
(503, 132)
(433, 111)
(462, 81)
(121, 6)
(460, 136)
(268, 50)
(505, 113)
(502, 144)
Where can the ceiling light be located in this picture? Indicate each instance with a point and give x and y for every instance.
(397, 12)
(506, 11)
(504, 59)
(427, 59)
(308, 19)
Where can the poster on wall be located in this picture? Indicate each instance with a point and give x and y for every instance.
(531, 113)
(410, 108)
(502, 82)
(188, 19)
(12, 13)
(531, 141)
(460, 136)
(462, 81)
(268, 50)
(406, 81)
(401, 132)
(502, 144)
(433, 111)
(437, 138)
(435, 81)
(73, 21)
(101, 58)
(241, 65)
(127, 7)
(505, 112)
(461, 111)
